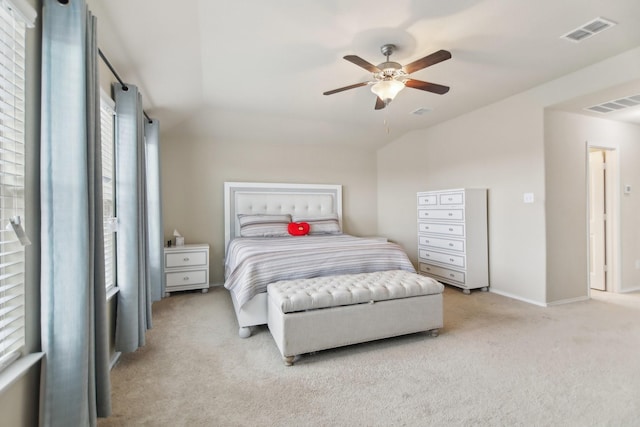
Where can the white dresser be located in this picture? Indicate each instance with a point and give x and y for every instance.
(452, 237)
(186, 267)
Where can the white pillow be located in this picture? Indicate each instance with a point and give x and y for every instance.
(325, 224)
(264, 225)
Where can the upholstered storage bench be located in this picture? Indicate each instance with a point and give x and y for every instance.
(307, 315)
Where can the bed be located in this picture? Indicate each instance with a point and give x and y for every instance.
(254, 261)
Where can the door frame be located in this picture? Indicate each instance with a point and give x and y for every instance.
(612, 202)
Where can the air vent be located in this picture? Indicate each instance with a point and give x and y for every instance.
(589, 29)
(420, 111)
(615, 105)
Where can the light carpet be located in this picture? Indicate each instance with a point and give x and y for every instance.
(497, 361)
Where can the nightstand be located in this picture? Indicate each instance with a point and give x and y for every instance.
(186, 267)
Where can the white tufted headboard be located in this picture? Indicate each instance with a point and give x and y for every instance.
(269, 198)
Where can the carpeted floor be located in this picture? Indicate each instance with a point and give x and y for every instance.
(497, 362)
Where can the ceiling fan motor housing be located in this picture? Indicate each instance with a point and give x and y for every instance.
(389, 70)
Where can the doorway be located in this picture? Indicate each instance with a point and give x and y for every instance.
(602, 218)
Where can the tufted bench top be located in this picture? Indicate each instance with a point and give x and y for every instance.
(330, 291)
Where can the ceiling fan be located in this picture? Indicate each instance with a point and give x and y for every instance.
(389, 78)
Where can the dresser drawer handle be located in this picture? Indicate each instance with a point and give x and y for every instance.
(450, 213)
(426, 241)
(451, 244)
(451, 259)
(450, 229)
(185, 259)
(185, 278)
(452, 275)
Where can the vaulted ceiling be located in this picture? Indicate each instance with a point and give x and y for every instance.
(255, 70)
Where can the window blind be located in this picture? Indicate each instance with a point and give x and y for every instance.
(107, 115)
(12, 112)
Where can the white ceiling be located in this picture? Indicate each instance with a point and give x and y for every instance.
(255, 70)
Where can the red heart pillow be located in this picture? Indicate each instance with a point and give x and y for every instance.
(298, 228)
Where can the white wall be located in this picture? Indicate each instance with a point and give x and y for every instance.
(194, 170)
(565, 154)
(502, 147)
(497, 147)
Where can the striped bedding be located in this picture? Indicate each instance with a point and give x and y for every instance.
(252, 263)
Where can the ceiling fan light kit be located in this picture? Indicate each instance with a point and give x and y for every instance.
(389, 77)
(386, 90)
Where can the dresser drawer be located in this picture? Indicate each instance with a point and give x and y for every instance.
(450, 214)
(448, 229)
(453, 245)
(429, 200)
(454, 260)
(185, 259)
(452, 198)
(190, 277)
(440, 272)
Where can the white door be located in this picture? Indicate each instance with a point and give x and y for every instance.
(597, 218)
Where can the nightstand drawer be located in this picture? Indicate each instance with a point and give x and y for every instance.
(190, 277)
(185, 259)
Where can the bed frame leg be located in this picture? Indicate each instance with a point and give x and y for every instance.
(244, 331)
(288, 360)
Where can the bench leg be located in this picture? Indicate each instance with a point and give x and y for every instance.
(288, 360)
(244, 332)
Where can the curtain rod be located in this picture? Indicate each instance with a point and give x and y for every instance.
(113, 71)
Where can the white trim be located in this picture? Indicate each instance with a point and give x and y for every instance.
(629, 290)
(114, 359)
(613, 224)
(512, 296)
(111, 292)
(568, 301)
(17, 369)
(104, 96)
(21, 10)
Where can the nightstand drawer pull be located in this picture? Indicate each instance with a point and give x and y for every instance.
(185, 278)
(186, 259)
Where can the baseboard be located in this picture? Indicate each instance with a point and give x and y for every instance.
(516, 297)
(568, 301)
(114, 359)
(626, 291)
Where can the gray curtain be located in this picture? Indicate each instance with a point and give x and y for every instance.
(76, 385)
(133, 248)
(154, 208)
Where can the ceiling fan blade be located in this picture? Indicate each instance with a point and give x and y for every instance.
(379, 103)
(362, 63)
(434, 58)
(429, 87)
(331, 92)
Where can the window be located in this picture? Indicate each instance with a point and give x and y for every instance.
(107, 114)
(12, 205)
